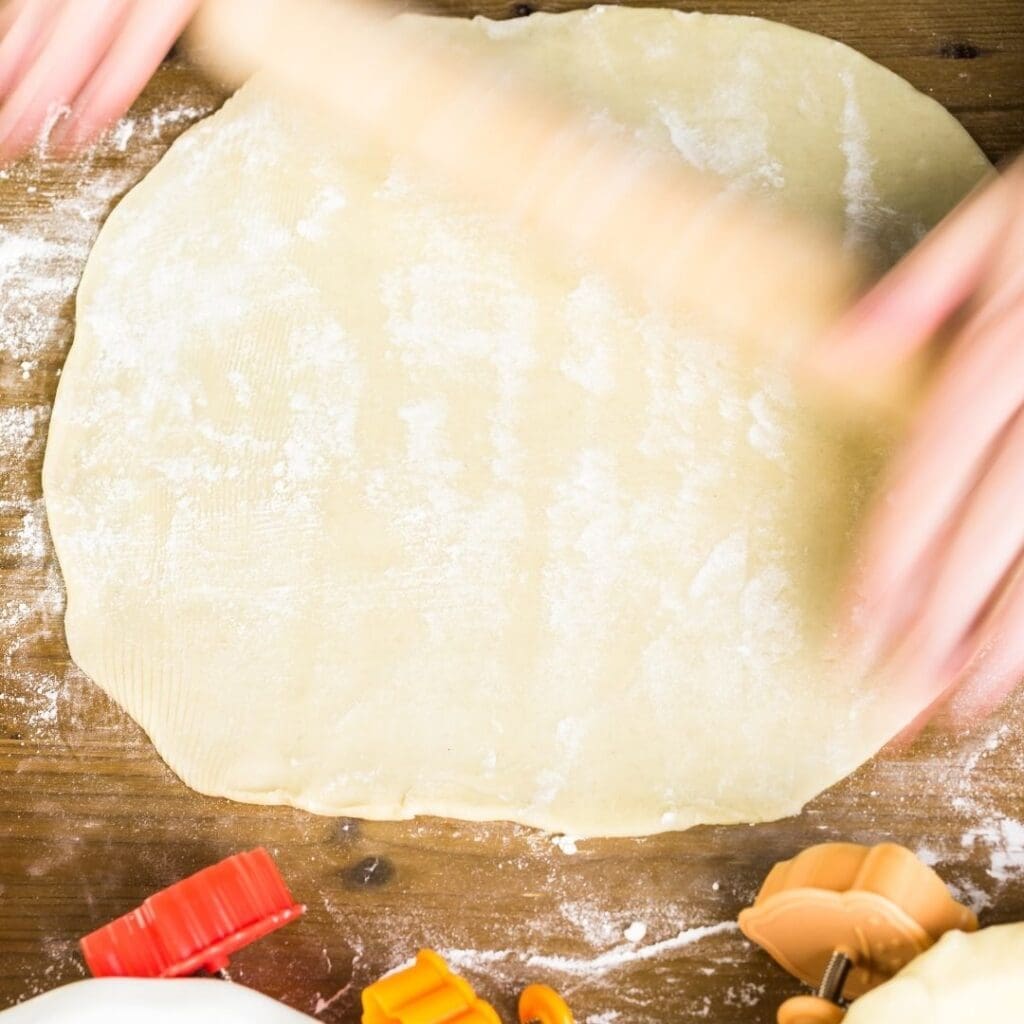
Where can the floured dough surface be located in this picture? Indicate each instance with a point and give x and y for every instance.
(963, 977)
(368, 504)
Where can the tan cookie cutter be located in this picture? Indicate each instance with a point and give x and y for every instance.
(843, 918)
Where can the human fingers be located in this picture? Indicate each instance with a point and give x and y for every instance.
(25, 28)
(942, 636)
(999, 664)
(9, 12)
(1003, 286)
(82, 33)
(978, 392)
(866, 633)
(985, 544)
(143, 42)
(903, 312)
(909, 734)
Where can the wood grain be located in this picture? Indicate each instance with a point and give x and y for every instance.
(91, 821)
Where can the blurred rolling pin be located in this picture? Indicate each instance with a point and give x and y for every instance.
(665, 231)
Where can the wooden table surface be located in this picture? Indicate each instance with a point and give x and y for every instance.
(91, 821)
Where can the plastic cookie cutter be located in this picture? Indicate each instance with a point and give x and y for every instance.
(196, 924)
(427, 992)
(843, 918)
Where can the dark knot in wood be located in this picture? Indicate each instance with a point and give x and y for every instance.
(959, 50)
(368, 873)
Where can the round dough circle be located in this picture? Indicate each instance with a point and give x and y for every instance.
(962, 977)
(369, 505)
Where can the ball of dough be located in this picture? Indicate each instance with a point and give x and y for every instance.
(962, 977)
(152, 1001)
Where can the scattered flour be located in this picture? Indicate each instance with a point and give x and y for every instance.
(985, 865)
(747, 994)
(610, 960)
(41, 257)
(159, 120)
(567, 844)
(313, 226)
(593, 921)
(858, 179)
(1003, 839)
(624, 955)
(472, 959)
(325, 1004)
(42, 253)
(36, 706)
(865, 213)
(122, 133)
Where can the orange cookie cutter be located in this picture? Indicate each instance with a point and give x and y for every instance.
(427, 992)
(843, 918)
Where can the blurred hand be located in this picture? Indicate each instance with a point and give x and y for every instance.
(938, 598)
(85, 59)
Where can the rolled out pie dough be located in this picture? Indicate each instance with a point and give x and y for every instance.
(367, 504)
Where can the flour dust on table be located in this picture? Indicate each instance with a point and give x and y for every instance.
(42, 255)
(368, 504)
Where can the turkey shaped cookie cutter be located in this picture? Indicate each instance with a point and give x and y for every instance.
(843, 918)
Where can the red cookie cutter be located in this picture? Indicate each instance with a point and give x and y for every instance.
(196, 924)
